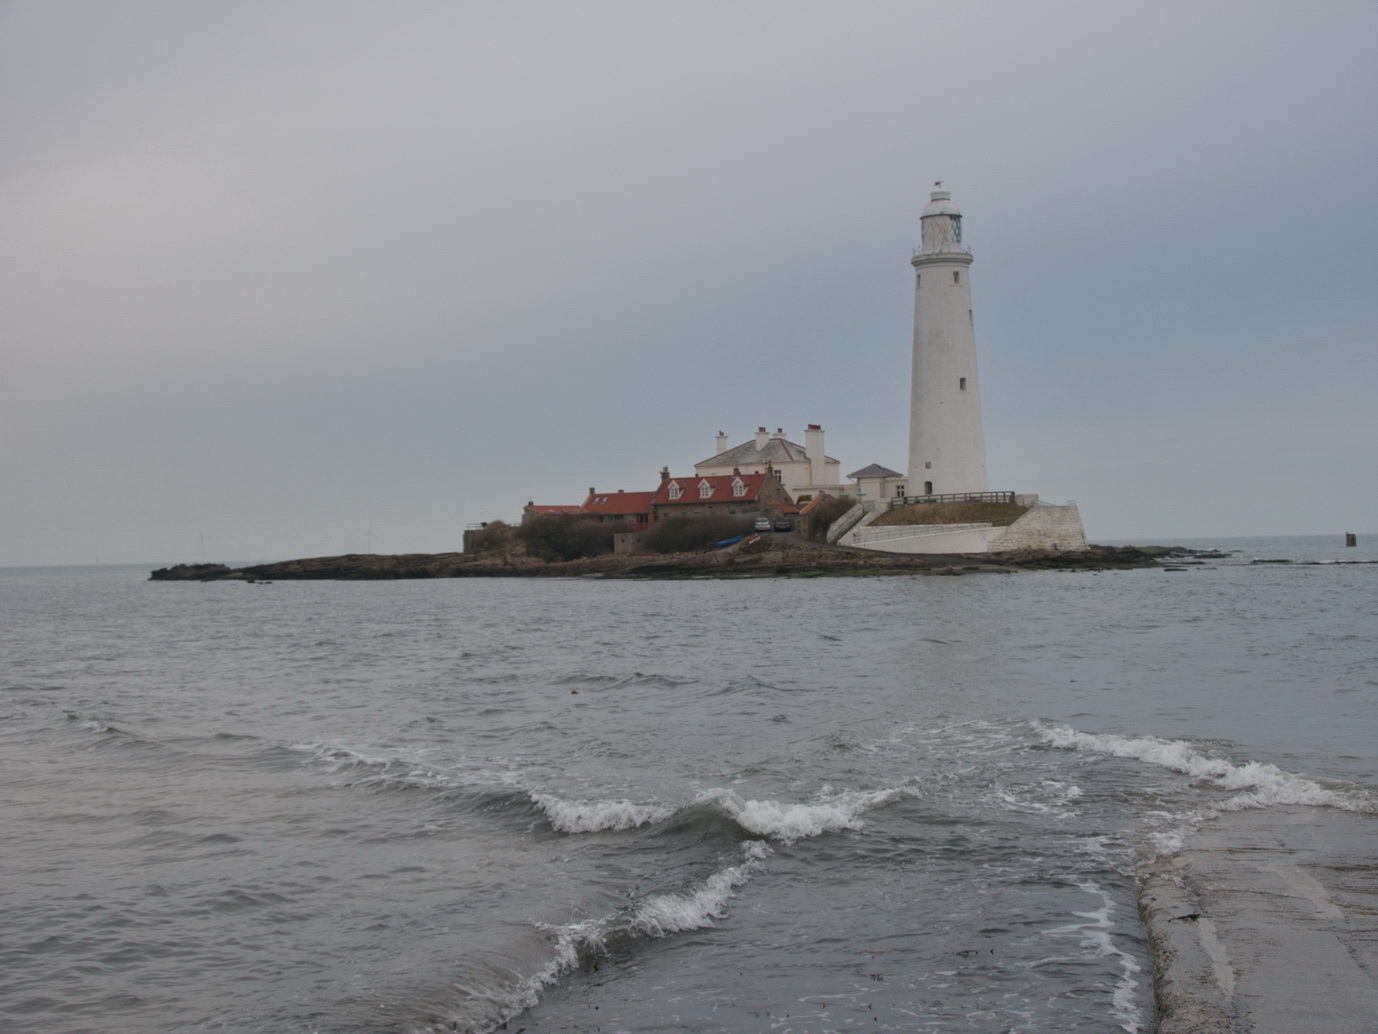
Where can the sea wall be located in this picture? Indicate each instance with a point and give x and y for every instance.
(1043, 529)
(1056, 529)
(924, 538)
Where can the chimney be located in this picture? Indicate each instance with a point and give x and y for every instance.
(737, 471)
(813, 445)
(592, 490)
(779, 432)
(722, 444)
(761, 437)
(664, 474)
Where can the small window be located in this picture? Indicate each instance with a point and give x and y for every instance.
(928, 465)
(918, 280)
(899, 491)
(928, 488)
(705, 490)
(738, 488)
(961, 384)
(675, 490)
(956, 276)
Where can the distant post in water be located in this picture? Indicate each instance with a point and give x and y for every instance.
(1351, 539)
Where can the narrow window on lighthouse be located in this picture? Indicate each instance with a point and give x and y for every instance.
(956, 277)
(961, 384)
(918, 280)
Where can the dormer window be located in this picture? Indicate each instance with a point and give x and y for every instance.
(738, 487)
(675, 490)
(705, 489)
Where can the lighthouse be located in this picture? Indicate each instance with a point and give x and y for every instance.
(947, 443)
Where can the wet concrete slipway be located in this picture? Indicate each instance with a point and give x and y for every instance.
(1267, 923)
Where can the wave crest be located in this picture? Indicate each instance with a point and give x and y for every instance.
(598, 816)
(1259, 784)
(791, 822)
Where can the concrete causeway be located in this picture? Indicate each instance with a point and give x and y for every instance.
(1267, 923)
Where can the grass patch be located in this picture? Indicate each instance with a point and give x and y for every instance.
(951, 513)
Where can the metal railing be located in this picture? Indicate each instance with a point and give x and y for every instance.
(954, 497)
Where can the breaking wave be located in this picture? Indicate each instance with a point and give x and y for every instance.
(1256, 784)
(791, 822)
(598, 816)
(656, 916)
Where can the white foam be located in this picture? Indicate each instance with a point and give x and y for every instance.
(384, 769)
(790, 822)
(595, 816)
(1095, 934)
(1051, 797)
(1260, 784)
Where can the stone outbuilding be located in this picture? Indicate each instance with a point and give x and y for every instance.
(630, 509)
(532, 510)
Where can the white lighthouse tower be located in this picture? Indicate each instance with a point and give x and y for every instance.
(947, 444)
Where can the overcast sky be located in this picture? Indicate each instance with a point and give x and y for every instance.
(293, 278)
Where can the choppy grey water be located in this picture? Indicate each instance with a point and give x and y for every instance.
(907, 803)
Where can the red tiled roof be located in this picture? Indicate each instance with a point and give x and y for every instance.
(553, 511)
(616, 504)
(721, 489)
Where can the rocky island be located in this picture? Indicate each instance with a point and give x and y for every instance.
(777, 556)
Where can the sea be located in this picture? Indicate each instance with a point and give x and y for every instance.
(904, 803)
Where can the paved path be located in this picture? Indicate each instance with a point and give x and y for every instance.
(1268, 924)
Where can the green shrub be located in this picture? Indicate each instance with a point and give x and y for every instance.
(688, 534)
(817, 521)
(493, 535)
(554, 538)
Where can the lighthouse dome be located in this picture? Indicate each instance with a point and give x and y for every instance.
(940, 203)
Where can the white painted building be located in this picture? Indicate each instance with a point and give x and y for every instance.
(802, 469)
(947, 444)
(878, 483)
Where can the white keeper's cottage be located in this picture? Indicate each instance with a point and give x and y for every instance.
(802, 469)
